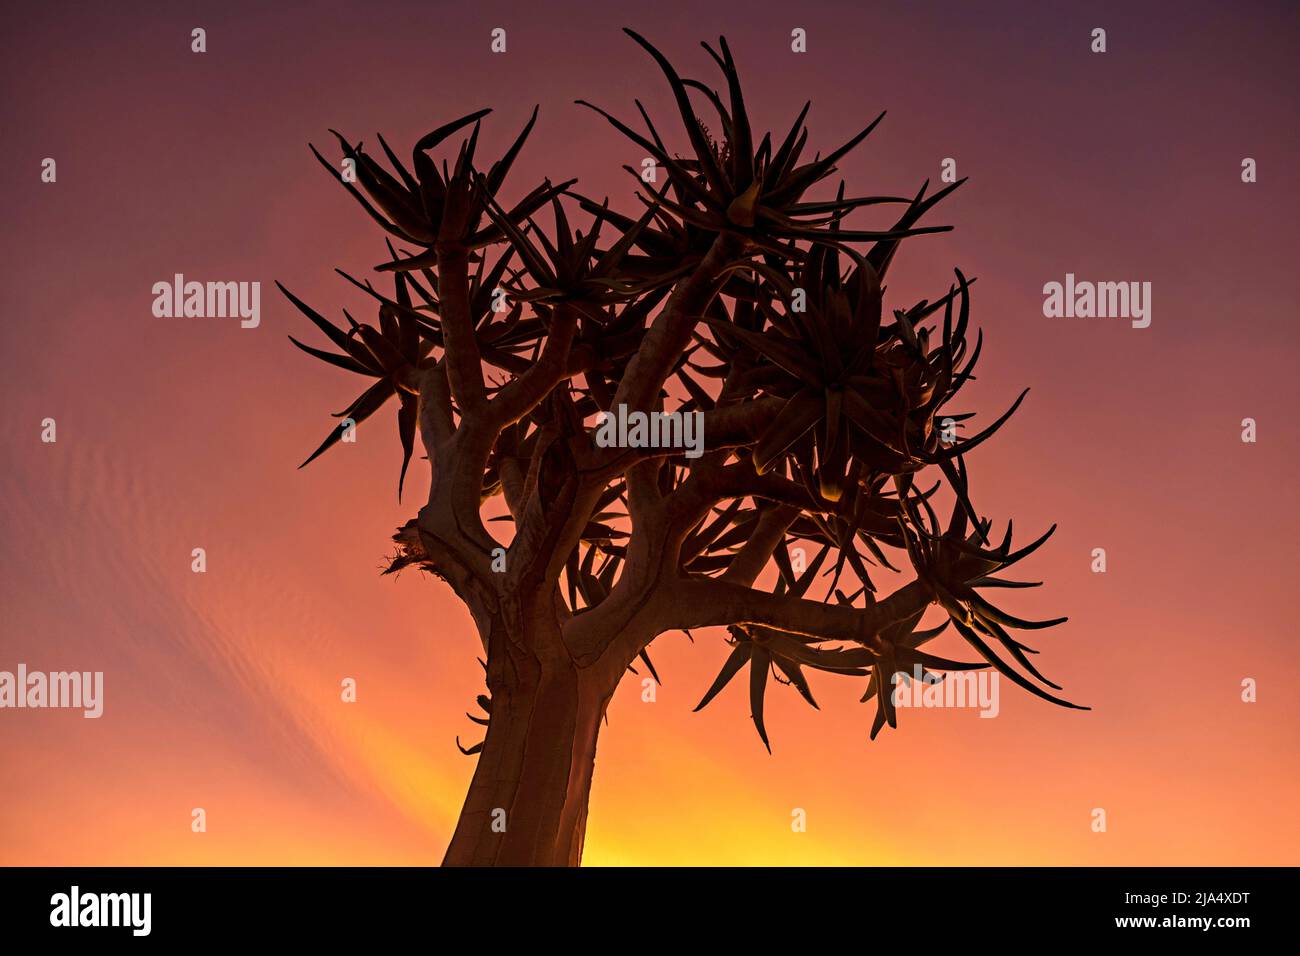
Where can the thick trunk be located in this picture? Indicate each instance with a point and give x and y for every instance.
(527, 803)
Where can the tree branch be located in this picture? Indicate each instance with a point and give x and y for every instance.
(727, 426)
(753, 556)
(670, 333)
(710, 602)
(464, 363)
(523, 393)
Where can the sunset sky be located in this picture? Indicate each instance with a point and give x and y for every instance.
(222, 689)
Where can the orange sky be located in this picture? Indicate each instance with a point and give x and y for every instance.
(222, 689)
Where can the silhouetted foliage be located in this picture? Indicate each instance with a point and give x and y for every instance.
(735, 294)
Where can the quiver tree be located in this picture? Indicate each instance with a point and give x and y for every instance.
(511, 328)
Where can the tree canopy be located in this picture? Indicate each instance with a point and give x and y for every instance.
(832, 428)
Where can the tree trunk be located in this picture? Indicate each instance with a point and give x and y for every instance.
(527, 802)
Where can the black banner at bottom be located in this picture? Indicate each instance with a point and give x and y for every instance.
(115, 906)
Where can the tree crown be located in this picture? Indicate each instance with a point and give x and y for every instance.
(733, 297)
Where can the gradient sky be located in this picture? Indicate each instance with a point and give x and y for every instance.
(222, 688)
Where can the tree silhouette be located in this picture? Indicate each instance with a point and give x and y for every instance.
(735, 298)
